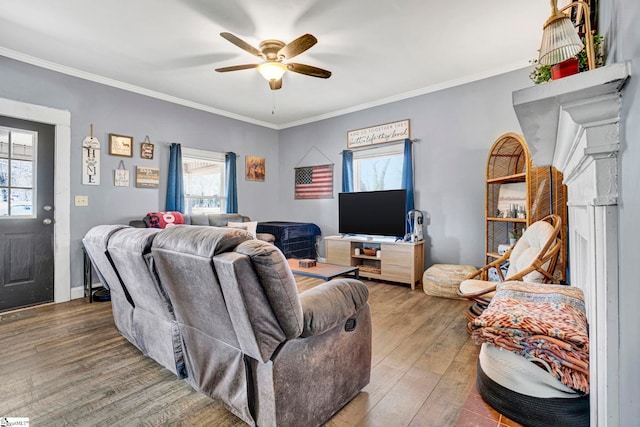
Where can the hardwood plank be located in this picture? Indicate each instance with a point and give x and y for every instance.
(66, 364)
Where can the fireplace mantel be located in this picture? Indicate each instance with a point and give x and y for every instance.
(542, 109)
(573, 124)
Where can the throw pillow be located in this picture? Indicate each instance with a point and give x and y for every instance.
(250, 226)
(164, 219)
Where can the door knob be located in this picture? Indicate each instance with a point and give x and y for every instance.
(47, 208)
(46, 221)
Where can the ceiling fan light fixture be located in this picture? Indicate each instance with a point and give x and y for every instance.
(272, 70)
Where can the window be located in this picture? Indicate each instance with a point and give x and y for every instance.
(17, 172)
(203, 173)
(378, 168)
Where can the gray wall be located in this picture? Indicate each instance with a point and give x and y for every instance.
(112, 110)
(456, 127)
(620, 26)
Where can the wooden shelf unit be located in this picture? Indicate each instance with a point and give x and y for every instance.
(401, 262)
(510, 162)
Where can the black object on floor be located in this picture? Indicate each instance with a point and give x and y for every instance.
(101, 295)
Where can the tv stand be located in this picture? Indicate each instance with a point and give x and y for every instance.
(399, 261)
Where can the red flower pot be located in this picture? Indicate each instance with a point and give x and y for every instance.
(565, 68)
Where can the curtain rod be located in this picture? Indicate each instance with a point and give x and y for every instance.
(378, 145)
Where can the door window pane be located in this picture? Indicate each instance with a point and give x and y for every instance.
(21, 174)
(17, 172)
(4, 144)
(4, 173)
(21, 202)
(22, 145)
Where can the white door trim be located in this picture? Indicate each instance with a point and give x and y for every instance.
(62, 187)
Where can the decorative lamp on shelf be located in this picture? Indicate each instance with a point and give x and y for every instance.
(561, 42)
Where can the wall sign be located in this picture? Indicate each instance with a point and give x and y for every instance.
(147, 177)
(146, 149)
(388, 132)
(91, 160)
(121, 176)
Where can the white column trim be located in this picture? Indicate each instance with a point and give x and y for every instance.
(573, 124)
(62, 188)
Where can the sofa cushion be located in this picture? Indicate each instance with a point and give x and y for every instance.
(204, 241)
(278, 283)
(250, 226)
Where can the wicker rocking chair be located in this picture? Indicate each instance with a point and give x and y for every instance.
(532, 259)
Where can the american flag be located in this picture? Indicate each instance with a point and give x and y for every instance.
(314, 182)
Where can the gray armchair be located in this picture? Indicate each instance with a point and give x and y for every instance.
(271, 356)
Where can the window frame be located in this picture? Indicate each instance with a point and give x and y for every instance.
(207, 156)
(380, 152)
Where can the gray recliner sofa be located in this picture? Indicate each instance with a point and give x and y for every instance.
(95, 245)
(270, 355)
(141, 310)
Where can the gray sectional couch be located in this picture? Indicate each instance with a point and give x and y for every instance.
(216, 220)
(226, 307)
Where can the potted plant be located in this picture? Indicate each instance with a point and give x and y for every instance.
(543, 73)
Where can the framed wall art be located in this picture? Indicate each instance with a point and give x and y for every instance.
(254, 168)
(120, 145)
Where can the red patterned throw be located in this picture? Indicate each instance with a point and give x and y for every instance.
(164, 219)
(546, 324)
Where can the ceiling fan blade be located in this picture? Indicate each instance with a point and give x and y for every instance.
(297, 46)
(236, 68)
(275, 84)
(308, 70)
(241, 44)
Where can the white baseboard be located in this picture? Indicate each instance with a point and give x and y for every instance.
(78, 291)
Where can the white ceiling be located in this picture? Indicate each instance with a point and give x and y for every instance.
(378, 50)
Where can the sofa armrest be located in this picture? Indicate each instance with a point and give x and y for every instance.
(331, 304)
(266, 237)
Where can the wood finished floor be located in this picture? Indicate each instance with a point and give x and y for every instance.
(66, 364)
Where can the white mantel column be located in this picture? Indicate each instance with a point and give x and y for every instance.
(573, 124)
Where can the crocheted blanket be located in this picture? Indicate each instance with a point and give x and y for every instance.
(546, 324)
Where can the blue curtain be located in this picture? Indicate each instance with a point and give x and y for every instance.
(232, 183)
(175, 187)
(347, 171)
(407, 174)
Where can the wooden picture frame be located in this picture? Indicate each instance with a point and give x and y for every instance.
(146, 150)
(120, 145)
(147, 177)
(255, 169)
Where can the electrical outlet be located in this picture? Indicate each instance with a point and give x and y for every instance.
(82, 200)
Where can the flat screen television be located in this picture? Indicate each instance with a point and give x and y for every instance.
(375, 213)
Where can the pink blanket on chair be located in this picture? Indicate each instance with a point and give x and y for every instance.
(546, 324)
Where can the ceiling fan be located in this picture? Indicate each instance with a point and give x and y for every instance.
(275, 53)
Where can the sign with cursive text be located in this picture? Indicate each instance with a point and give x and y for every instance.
(387, 132)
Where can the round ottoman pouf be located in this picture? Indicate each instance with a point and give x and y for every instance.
(442, 280)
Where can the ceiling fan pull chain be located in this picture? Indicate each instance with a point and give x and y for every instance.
(273, 103)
